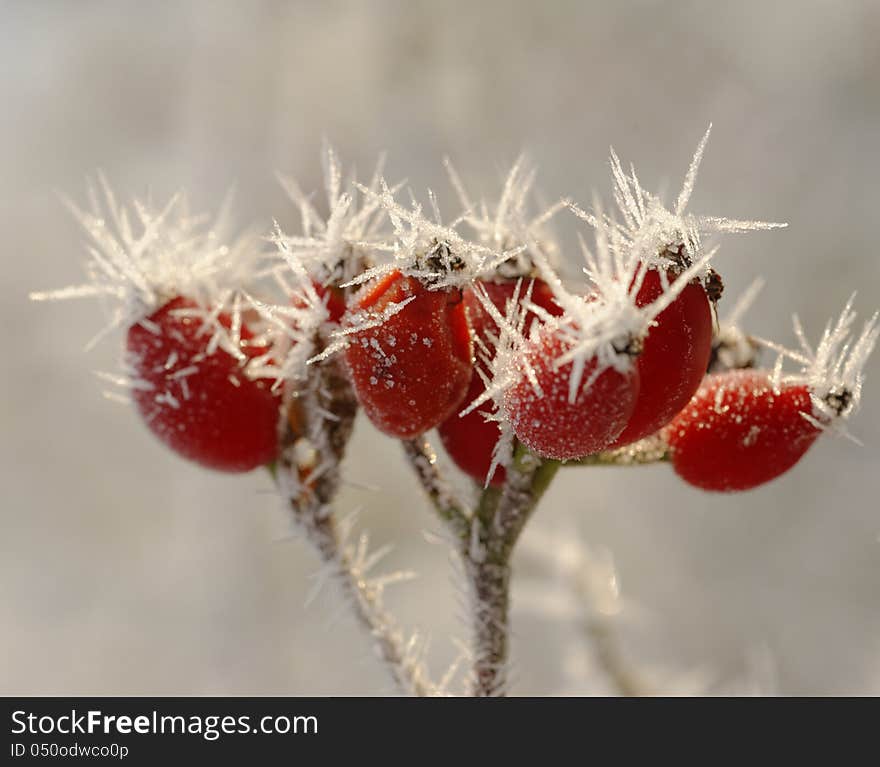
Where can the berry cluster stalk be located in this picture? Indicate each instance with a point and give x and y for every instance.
(484, 539)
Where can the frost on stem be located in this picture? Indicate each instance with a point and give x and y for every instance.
(833, 371)
(350, 566)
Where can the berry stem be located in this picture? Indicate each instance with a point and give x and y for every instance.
(500, 518)
(327, 393)
(489, 586)
(365, 598)
(646, 451)
(423, 460)
(485, 537)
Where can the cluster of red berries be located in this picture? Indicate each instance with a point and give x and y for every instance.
(569, 375)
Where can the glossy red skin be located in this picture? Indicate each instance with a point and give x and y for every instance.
(470, 440)
(736, 433)
(220, 425)
(552, 426)
(411, 372)
(674, 357)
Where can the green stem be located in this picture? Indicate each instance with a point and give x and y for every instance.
(647, 451)
(500, 517)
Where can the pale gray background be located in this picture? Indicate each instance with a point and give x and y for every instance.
(125, 570)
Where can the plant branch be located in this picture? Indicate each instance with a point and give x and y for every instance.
(423, 460)
(626, 682)
(399, 655)
(499, 519)
(319, 425)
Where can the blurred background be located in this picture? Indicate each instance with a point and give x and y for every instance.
(123, 570)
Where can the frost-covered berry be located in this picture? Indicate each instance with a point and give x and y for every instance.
(484, 327)
(201, 402)
(674, 356)
(552, 422)
(470, 439)
(409, 353)
(579, 377)
(746, 427)
(738, 433)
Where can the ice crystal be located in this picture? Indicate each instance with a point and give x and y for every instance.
(499, 367)
(140, 257)
(509, 225)
(604, 322)
(833, 371)
(337, 248)
(504, 368)
(294, 327)
(650, 226)
(425, 248)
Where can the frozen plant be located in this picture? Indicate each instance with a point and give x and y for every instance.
(260, 351)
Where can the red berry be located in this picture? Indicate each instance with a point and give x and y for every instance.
(412, 370)
(737, 433)
(202, 406)
(470, 439)
(674, 357)
(481, 322)
(549, 423)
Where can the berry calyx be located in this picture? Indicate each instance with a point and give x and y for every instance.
(739, 431)
(674, 356)
(202, 405)
(409, 353)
